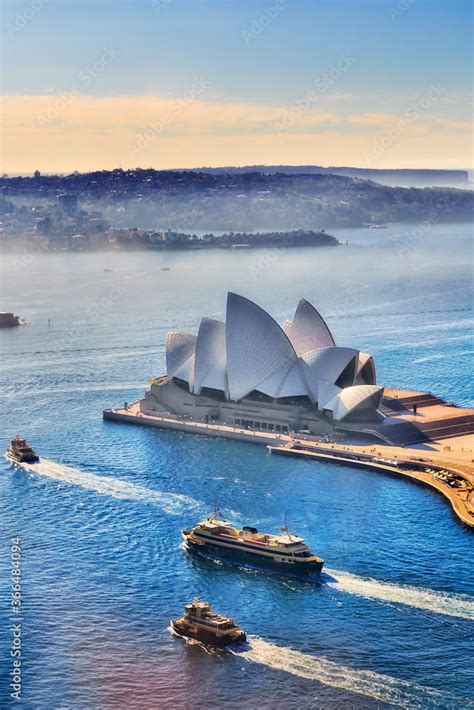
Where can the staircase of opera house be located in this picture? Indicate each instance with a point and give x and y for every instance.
(437, 419)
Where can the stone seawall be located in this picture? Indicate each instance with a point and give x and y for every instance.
(191, 427)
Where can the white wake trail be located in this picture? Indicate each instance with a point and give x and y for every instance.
(460, 606)
(375, 685)
(173, 503)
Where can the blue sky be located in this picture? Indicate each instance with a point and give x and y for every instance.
(248, 53)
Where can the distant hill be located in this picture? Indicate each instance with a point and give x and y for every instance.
(241, 201)
(394, 178)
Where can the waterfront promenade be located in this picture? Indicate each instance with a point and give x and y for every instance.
(445, 465)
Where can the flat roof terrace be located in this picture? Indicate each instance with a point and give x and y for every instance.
(433, 416)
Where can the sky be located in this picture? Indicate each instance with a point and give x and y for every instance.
(189, 83)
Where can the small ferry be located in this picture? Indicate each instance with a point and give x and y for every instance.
(284, 553)
(201, 623)
(21, 452)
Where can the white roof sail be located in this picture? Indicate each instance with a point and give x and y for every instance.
(186, 372)
(180, 347)
(308, 330)
(351, 399)
(325, 364)
(365, 370)
(326, 392)
(293, 385)
(210, 367)
(258, 351)
(252, 352)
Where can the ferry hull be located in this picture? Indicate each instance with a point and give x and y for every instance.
(13, 457)
(302, 570)
(207, 638)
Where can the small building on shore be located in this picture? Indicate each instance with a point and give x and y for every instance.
(8, 320)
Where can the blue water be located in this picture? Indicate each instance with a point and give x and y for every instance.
(103, 570)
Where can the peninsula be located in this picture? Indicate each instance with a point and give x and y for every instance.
(294, 390)
(254, 200)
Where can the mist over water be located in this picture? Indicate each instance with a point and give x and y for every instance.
(100, 519)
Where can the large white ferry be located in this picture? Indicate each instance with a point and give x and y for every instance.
(285, 553)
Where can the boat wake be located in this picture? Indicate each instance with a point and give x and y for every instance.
(375, 685)
(173, 503)
(460, 606)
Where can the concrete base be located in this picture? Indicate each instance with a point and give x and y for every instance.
(260, 413)
(133, 415)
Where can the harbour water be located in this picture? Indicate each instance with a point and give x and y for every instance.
(103, 570)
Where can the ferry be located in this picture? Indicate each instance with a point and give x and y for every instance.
(21, 452)
(284, 553)
(201, 623)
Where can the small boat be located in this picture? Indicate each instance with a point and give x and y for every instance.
(21, 452)
(201, 623)
(284, 553)
(165, 268)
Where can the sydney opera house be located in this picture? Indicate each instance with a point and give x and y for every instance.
(252, 373)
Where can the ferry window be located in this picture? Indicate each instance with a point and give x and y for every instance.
(284, 429)
(237, 422)
(270, 427)
(277, 427)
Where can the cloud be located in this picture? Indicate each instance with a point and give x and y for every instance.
(75, 131)
(378, 120)
(465, 126)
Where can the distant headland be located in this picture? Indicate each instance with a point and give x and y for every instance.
(131, 207)
(394, 177)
